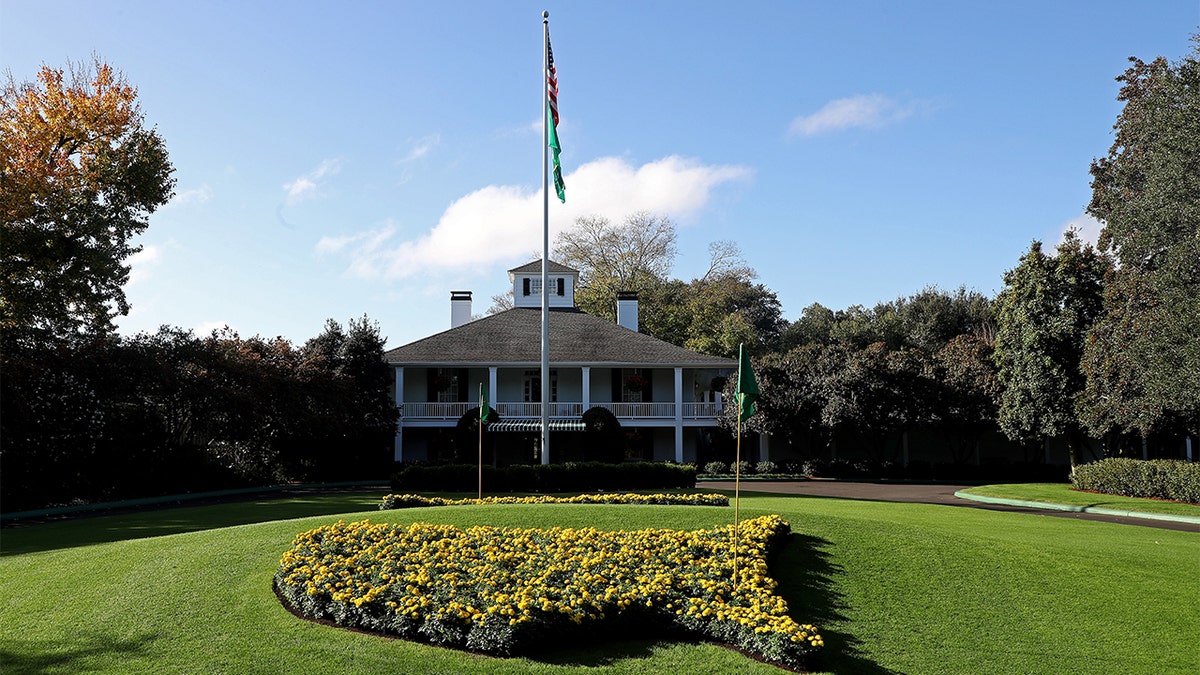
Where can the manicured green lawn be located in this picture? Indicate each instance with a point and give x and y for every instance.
(1061, 493)
(895, 587)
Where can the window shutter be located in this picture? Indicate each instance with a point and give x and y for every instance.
(561, 286)
(525, 285)
(648, 390)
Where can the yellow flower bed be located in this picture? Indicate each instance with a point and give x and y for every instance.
(699, 499)
(510, 590)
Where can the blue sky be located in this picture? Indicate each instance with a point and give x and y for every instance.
(341, 159)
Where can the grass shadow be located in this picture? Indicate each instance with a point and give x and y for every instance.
(807, 579)
(34, 656)
(22, 538)
(596, 653)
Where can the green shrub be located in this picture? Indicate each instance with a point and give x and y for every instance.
(766, 467)
(742, 467)
(603, 440)
(699, 499)
(1157, 478)
(716, 468)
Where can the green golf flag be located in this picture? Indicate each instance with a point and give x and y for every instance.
(483, 404)
(747, 387)
(552, 119)
(559, 186)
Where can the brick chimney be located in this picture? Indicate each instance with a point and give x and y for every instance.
(460, 308)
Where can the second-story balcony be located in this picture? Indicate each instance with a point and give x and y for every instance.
(625, 412)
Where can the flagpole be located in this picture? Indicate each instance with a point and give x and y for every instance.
(545, 375)
(482, 413)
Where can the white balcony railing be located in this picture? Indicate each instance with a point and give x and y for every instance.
(412, 410)
(532, 410)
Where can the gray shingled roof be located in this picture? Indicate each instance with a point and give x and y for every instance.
(536, 266)
(514, 336)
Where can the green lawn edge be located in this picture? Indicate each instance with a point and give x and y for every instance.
(1062, 497)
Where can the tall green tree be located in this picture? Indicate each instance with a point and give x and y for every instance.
(1143, 360)
(1043, 315)
(79, 176)
(790, 400)
(631, 256)
(966, 389)
(713, 313)
(875, 393)
(728, 311)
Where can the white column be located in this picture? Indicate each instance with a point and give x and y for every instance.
(764, 447)
(492, 388)
(587, 388)
(679, 415)
(398, 453)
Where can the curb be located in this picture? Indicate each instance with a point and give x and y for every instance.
(171, 499)
(1051, 506)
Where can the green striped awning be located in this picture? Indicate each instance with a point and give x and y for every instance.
(535, 425)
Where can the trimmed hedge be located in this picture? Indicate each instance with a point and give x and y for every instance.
(1172, 479)
(568, 477)
(416, 501)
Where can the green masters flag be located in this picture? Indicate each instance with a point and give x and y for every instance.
(552, 118)
(559, 186)
(747, 387)
(483, 406)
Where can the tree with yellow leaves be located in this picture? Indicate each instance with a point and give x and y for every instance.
(79, 177)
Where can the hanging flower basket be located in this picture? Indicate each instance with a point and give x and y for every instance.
(441, 383)
(635, 383)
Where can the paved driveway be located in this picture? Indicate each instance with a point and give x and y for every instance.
(923, 493)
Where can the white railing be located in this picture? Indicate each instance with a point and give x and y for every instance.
(533, 410)
(515, 410)
(641, 410)
(413, 409)
(693, 411)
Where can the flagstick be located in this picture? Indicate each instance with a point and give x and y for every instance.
(737, 490)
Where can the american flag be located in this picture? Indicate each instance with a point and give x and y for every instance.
(551, 80)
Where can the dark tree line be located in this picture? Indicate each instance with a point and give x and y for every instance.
(103, 417)
(868, 376)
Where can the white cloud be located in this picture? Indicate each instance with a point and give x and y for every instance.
(198, 195)
(307, 185)
(1085, 225)
(421, 147)
(297, 189)
(206, 328)
(499, 222)
(143, 263)
(327, 167)
(868, 111)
